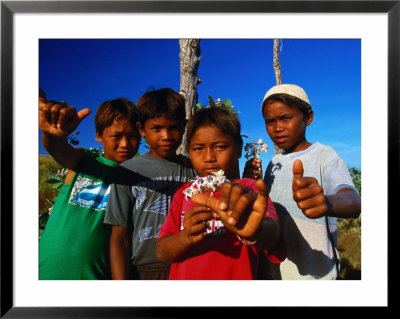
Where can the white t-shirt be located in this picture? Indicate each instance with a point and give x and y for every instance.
(310, 253)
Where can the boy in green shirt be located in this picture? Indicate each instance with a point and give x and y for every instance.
(75, 242)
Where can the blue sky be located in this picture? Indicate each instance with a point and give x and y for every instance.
(84, 73)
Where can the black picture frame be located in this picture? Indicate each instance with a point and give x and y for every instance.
(9, 8)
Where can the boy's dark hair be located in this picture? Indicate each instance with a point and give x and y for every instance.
(111, 110)
(289, 100)
(163, 102)
(221, 117)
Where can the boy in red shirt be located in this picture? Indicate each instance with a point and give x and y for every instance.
(222, 236)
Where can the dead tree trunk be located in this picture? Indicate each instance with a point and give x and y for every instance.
(189, 55)
(277, 64)
(278, 77)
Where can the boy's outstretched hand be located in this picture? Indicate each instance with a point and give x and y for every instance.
(58, 118)
(239, 207)
(307, 193)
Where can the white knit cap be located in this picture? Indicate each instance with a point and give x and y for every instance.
(289, 89)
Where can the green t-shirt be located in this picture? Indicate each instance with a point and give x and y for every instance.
(75, 242)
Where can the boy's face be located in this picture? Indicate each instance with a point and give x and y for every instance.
(163, 136)
(286, 126)
(120, 140)
(211, 150)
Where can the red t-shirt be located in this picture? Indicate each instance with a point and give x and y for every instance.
(221, 255)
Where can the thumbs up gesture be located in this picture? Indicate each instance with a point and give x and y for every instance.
(307, 193)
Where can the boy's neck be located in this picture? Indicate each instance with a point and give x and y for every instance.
(174, 158)
(298, 148)
(234, 175)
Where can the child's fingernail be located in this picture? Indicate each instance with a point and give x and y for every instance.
(223, 206)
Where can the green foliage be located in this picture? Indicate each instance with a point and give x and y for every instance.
(356, 177)
(349, 239)
(56, 179)
(146, 145)
(48, 191)
(212, 103)
(349, 245)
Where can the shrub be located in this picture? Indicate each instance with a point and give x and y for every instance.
(49, 185)
(349, 238)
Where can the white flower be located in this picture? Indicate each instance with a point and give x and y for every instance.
(62, 172)
(254, 149)
(207, 183)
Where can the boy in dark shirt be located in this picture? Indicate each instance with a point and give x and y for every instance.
(137, 211)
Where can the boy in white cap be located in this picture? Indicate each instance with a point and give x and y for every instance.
(310, 186)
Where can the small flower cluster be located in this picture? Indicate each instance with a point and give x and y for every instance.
(96, 150)
(254, 149)
(207, 183)
(62, 173)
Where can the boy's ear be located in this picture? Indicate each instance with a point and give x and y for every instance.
(310, 117)
(98, 137)
(140, 129)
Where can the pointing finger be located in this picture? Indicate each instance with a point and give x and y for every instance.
(205, 200)
(226, 189)
(261, 202)
(262, 188)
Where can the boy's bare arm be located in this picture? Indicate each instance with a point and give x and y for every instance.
(268, 234)
(310, 198)
(57, 120)
(171, 248)
(346, 203)
(59, 148)
(119, 253)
